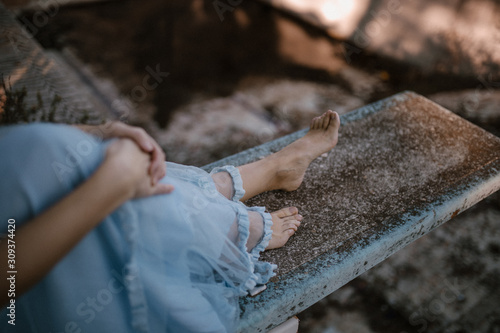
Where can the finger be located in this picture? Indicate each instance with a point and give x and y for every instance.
(163, 189)
(157, 167)
(149, 145)
(143, 139)
(157, 172)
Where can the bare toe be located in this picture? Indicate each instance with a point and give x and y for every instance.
(326, 120)
(285, 223)
(334, 121)
(293, 161)
(286, 212)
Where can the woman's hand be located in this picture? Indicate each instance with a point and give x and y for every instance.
(123, 175)
(116, 129)
(129, 165)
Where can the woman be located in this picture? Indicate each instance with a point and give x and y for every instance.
(104, 241)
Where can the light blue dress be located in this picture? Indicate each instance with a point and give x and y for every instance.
(166, 263)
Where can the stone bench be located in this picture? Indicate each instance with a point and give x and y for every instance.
(402, 167)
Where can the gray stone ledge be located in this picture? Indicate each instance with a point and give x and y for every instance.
(403, 166)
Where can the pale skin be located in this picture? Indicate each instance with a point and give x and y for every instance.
(132, 167)
(285, 170)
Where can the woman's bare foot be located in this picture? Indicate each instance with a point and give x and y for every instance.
(294, 159)
(285, 169)
(285, 224)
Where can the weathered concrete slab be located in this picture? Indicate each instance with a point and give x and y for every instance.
(23, 63)
(402, 167)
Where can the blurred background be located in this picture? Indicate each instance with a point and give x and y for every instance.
(211, 78)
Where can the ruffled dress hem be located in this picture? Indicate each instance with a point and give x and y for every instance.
(262, 271)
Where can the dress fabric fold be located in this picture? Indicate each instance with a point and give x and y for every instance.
(167, 263)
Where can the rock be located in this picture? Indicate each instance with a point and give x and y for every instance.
(338, 18)
(449, 36)
(297, 102)
(207, 131)
(479, 106)
(262, 109)
(363, 84)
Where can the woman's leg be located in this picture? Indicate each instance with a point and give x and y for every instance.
(282, 170)
(224, 183)
(285, 223)
(285, 169)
